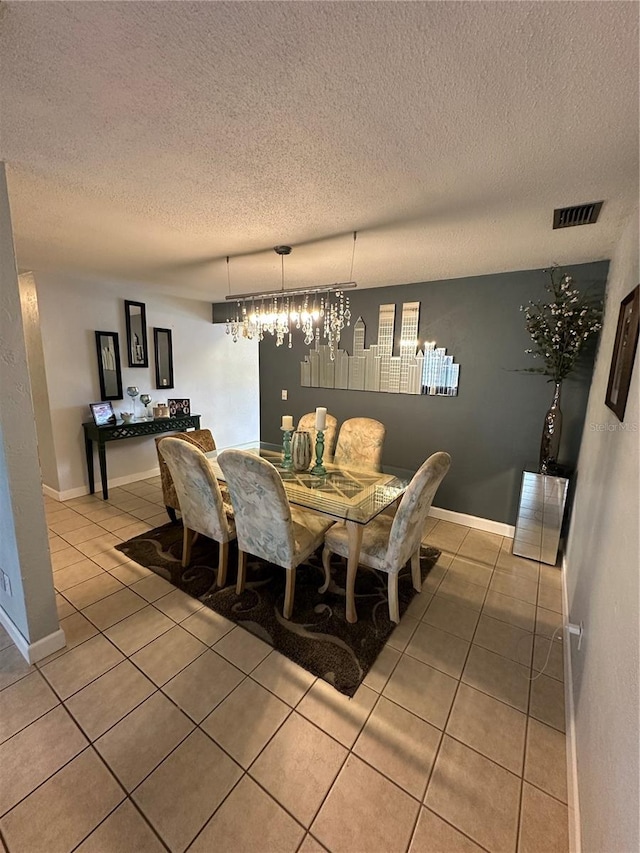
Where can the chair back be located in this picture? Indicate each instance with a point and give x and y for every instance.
(308, 423)
(201, 438)
(261, 508)
(197, 489)
(408, 525)
(360, 444)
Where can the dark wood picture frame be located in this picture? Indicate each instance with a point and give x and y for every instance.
(624, 352)
(135, 315)
(163, 354)
(179, 407)
(103, 414)
(109, 371)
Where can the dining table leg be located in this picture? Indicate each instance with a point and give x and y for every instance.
(354, 534)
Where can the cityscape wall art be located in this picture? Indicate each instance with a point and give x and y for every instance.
(416, 369)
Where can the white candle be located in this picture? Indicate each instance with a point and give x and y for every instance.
(287, 422)
(321, 418)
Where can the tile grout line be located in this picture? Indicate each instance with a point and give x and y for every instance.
(295, 707)
(444, 727)
(446, 723)
(89, 745)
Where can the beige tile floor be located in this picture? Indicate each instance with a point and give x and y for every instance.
(164, 726)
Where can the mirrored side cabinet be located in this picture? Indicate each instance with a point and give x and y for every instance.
(540, 514)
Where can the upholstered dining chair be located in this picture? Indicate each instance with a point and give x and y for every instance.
(388, 543)
(266, 524)
(360, 443)
(308, 423)
(201, 504)
(201, 438)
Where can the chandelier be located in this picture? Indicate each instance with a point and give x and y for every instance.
(320, 313)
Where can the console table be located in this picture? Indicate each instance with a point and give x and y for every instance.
(119, 431)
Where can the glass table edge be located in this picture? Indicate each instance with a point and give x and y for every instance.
(402, 478)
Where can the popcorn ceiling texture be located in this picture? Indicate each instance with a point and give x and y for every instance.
(149, 140)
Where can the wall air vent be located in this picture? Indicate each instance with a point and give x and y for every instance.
(579, 214)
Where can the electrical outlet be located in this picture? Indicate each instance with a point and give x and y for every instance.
(285, 394)
(577, 630)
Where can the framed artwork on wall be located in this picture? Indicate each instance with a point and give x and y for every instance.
(179, 407)
(624, 351)
(163, 351)
(136, 319)
(109, 372)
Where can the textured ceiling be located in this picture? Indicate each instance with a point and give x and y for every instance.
(149, 140)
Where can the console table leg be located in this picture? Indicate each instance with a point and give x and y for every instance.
(88, 447)
(102, 456)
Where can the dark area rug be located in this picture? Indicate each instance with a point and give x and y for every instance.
(318, 636)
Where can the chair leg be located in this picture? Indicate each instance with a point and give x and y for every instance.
(172, 514)
(416, 577)
(326, 565)
(223, 561)
(187, 541)
(242, 572)
(289, 592)
(392, 587)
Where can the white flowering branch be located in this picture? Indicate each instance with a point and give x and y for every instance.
(560, 328)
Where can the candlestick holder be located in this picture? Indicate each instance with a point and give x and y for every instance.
(319, 469)
(286, 448)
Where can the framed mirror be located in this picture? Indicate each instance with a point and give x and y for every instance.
(109, 373)
(136, 319)
(163, 350)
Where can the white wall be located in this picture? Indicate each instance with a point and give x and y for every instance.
(38, 377)
(603, 569)
(219, 377)
(28, 612)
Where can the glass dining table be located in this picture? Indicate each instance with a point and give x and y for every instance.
(350, 495)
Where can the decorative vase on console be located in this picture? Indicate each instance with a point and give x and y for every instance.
(559, 329)
(300, 450)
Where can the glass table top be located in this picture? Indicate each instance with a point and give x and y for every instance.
(345, 493)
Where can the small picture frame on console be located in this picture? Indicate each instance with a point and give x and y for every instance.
(103, 414)
(178, 408)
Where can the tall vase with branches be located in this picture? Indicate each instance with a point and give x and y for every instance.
(559, 328)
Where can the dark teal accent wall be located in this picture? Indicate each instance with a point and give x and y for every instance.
(492, 428)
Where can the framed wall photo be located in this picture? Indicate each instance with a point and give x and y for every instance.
(164, 357)
(177, 408)
(624, 351)
(109, 373)
(135, 316)
(103, 414)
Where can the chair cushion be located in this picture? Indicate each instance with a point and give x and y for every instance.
(308, 531)
(375, 539)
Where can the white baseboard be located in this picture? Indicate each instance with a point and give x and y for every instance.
(32, 652)
(575, 841)
(80, 491)
(486, 524)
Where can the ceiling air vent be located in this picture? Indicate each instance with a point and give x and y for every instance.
(579, 214)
